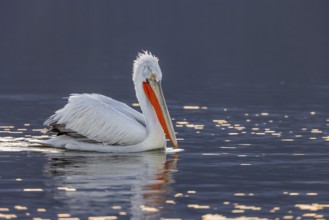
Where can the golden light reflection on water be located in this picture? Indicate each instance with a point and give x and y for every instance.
(197, 206)
(63, 215)
(194, 107)
(8, 216)
(178, 195)
(33, 190)
(67, 189)
(145, 208)
(18, 207)
(170, 202)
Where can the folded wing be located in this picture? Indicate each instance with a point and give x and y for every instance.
(99, 118)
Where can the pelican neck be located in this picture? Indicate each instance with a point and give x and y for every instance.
(151, 119)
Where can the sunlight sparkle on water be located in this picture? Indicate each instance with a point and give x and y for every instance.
(33, 190)
(197, 206)
(67, 189)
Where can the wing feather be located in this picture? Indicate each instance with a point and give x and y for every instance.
(101, 119)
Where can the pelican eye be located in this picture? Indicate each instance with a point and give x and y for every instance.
(153, 77)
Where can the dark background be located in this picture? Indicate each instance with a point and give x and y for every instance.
(88, 46)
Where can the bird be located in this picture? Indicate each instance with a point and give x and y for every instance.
(94, 122)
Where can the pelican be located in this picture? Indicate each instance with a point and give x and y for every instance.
(93, 122)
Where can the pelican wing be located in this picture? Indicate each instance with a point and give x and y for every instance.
(99, 118)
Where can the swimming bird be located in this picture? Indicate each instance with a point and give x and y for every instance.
(95, 122)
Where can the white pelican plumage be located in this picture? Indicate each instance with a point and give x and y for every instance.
(95, 122)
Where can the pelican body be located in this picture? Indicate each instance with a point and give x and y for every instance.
(94, 122)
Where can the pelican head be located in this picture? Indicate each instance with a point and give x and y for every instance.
(147, 73)
(146, 66)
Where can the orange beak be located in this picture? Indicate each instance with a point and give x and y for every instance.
(154, 93)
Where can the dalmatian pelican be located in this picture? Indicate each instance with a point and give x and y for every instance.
(94, 122)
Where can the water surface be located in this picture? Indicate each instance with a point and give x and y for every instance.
(254, 151)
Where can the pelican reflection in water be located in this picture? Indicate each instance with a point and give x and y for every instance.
(93, 122)
(101, 181)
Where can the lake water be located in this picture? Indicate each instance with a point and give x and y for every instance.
(258, 151)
